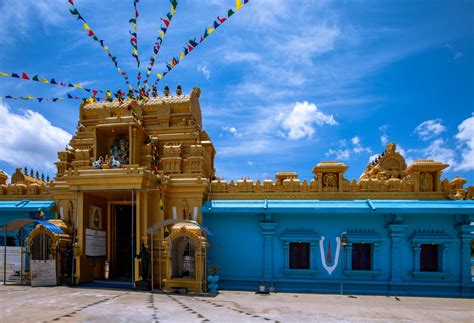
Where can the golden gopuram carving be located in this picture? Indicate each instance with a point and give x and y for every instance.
(139, 171)
(387, 177)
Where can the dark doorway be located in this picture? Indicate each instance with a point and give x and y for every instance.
(123, 241)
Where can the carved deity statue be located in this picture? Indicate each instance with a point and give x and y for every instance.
(330, 182)
(120, 150)
(426, 182)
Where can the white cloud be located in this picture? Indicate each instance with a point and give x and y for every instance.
(235, 56)
(339, 154)
(301, 122)
(344, 152)
(466, 136)
(233, 131)
(204, 69)
(438, 152)
(18, 16)
(429, 129)
(29, 139)
(384, 139)
(250, 163)
(358, 147)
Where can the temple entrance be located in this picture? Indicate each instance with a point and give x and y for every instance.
(123, 246)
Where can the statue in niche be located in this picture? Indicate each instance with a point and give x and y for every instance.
(188, 268)
(120, 150)
(426, 182)
(330, 182)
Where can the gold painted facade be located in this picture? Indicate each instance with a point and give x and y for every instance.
(167, 171)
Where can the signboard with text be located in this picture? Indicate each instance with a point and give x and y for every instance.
(96, 243)
(43, 273)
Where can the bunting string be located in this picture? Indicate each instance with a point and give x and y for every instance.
(134, 41)
(193, 43)
(36, 78)
(161, 36)
(44, 99)
(75, 12)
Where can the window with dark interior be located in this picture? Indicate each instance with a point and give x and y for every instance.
(299, 255)
(429, 257)
(361, 256)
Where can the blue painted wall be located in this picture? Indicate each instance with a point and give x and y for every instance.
(248, 243)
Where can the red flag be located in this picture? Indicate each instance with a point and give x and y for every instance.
(24, 76)
(166, 22)
(190, 47)
(221, 20)
(71, 2)
(329, 253)
(91, 33)
(94, 92)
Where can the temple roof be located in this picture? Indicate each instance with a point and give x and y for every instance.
(312, 207)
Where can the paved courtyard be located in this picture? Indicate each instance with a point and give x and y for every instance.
(26, 304)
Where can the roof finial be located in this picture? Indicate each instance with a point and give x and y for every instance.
(179, 90)
(166, 91)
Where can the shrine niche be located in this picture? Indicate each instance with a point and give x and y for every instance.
(120, 150)
(426, 182)
(329, 177)
(185, 252)
(330, 183)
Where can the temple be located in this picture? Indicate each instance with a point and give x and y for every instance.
(137, 200)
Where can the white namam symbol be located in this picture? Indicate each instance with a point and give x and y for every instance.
(329, 269)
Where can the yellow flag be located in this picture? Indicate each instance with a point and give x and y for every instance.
(210, 30)
(44, 80)
(130, 87)
(238, 5)
(181, 55)
(135, 27)
(106, 48)
(148, 73)
(173, 10)
(3, 74)
(91, 100)
(78, 86)
(159, 76)
(135, 52)
(162, 35)
(86, 27)
(30, 97)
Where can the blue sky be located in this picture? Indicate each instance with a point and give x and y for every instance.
(285, 84)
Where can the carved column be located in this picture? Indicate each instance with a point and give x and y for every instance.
(396, 235)
(416, 181)
(465, 236)
(268, 231)
(348, 256)
(375, 265)
(417, 251)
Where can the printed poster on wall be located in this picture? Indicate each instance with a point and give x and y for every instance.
(95, 243)
(43, 273)
(13, 263)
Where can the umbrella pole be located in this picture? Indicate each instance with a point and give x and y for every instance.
(5, 255)
(21, 257)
